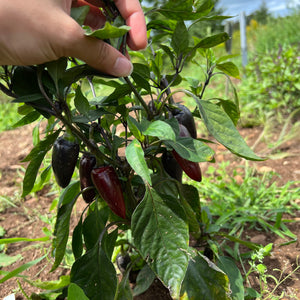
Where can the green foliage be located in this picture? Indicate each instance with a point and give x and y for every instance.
(8, 115)
(272, 84)
(278, 31)
(254, 202)
(261, 15)
(261, 271)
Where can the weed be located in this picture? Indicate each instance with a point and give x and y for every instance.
(255, 202)
(259, 269)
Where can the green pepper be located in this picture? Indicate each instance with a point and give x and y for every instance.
(86, 165)
(109, 187)
(64, 158)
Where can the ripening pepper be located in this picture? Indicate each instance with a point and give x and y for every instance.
(109, 187)
(64, 158)
(86, 165)
(185, 117)
(190, 168)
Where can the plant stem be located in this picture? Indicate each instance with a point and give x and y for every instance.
(6, 91)
(209, 75)
(93, 148)
(136, 93)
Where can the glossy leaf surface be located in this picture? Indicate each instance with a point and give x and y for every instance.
(164, 249)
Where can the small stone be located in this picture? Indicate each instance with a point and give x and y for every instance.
(265, 169)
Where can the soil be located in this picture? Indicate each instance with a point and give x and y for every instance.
(30, 216)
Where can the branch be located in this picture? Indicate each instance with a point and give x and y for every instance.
(7, 91)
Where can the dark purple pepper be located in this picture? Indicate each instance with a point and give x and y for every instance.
(171, 166)
(86, 165)
(64, 158)
(185, 117)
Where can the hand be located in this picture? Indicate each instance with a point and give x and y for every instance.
(35, 31)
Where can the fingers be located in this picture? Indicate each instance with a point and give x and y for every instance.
(101, 56)
(132, 12)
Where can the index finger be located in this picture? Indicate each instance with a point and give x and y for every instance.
(132, 12)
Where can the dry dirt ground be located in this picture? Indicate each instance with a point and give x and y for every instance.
(29, 216)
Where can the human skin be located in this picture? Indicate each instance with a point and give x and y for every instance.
(32, 33)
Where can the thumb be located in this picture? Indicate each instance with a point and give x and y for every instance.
(102, 56)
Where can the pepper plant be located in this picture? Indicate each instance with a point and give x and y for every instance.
(131, 146)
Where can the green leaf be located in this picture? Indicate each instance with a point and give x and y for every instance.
(56, 69)
(229, 68)
(43, 146)
(124, 289)
(21, 269)
(107, 32)
(228, 266)
(161, 130)
(186, 9)
(109, 242)
(234, 239)
(31, 173)
(17, 240)
(180, 38)
(79, 13)
(140, 75)
(135, 157)
(76, 293)
(68, 194)
(61, 230)
(89, 116)
(24, 81)
(28, 98)
(95, 274)
(63, 281)
(205, 281)
(191, 216)
(29, 118)
(93, 225)
(144, 280)
(81, 102)
(251, 294)
(163, 248)
(135, 128)
(231, 110)
(77, 241)
(212, 41)
(191, 149)
(45, 177)
(191, 194)
(169, 52)
(6, 260)
(223, 130)
(119, 92)
(73, 74)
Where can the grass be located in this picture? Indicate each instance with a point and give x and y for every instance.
(8, 115)
(240, 199)
(236, 200)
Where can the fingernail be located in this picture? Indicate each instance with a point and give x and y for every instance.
(123, 67)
